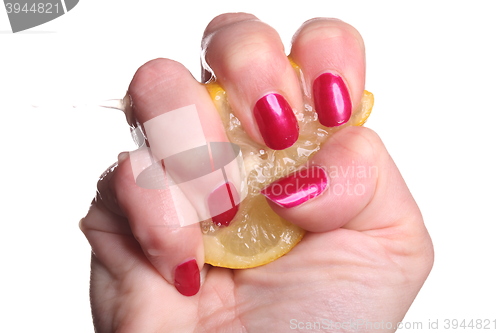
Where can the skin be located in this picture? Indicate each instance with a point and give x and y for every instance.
(365, 256)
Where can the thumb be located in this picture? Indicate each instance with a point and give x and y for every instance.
(352, 182)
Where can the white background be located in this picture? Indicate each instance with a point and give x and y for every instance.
(433, 67)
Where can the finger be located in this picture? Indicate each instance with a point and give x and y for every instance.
(175, 251)
(331, 56)
(352, 182)
(248, 60)
(147, 235)
(162, 200)
(111, 239)
(186, 137)
(108, 231)
(117, 259)
(163, 85)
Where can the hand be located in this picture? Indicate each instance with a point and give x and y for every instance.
(366, 253)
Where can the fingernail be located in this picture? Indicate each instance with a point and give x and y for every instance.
(331, 100)
(223, 204)
(187, 278)
(276, 121)
(297, 188)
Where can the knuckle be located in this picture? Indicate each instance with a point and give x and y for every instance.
(156, 73)
(325, 29)
(360, 143)
(244, 45)
(252, 52)
(226, 19)
(155, 241)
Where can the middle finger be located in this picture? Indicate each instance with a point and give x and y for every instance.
(248, 59)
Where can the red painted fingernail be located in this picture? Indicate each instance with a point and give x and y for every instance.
(276, 121)
(223, 204)
(331, 100)
(297, 188)
(187, 278)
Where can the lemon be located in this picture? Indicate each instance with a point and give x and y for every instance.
(257, 235)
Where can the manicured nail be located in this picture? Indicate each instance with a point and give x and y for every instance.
(297, 188)
(223, 204)
(187, 278)
(331, 100)
(276, 121)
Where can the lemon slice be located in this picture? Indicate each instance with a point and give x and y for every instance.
(257, 235)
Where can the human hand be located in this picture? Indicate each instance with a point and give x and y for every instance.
(366, 253)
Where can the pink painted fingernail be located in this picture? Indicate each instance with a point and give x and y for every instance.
(331, 100)
(187, 278)
(223, 204)
(276, 121)
(297, 188)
